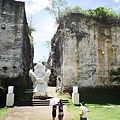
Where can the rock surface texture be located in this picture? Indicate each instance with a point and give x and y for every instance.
(16, 48)
(84, 51)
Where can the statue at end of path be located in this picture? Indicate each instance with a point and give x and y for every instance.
(40, 77)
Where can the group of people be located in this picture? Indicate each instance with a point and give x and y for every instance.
(83, 111)
(60, 110)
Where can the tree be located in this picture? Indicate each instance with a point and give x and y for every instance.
(74, 9)
(31, 29)
(47, 44)
(30, 25)
(56, 8)
(102, 12)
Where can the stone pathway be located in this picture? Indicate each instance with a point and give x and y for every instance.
(35, 112)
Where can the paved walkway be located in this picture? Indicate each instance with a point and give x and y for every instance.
(36, 112)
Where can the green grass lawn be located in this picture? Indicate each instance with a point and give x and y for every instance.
(98, 112)
(104, 104)
(104, 112)
(3, 111)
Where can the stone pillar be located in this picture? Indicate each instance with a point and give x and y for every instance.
(75, 95)
(10, 97)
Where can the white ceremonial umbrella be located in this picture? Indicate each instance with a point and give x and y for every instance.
(54, 101)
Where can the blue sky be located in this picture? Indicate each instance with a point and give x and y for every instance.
(44, 23)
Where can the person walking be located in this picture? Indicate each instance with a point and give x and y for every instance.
(60, 115)
(83, 112)
(60, 105)
(60, 110)
(54, 112)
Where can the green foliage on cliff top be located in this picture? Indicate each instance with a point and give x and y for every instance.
(59, 8)
(107, 14)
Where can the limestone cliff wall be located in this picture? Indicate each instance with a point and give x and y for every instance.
(16, 49)
(85, 50)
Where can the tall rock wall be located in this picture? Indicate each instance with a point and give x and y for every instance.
(16, 48)
(84, 51)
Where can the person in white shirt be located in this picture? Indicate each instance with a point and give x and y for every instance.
(84, 112)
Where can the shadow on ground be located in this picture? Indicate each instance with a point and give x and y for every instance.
(100, 95)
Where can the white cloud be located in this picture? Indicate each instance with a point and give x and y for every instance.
(116, 1)
(33, 6)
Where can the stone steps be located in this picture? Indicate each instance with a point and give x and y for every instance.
(34, 103)
(37, 102)
(29, 91)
